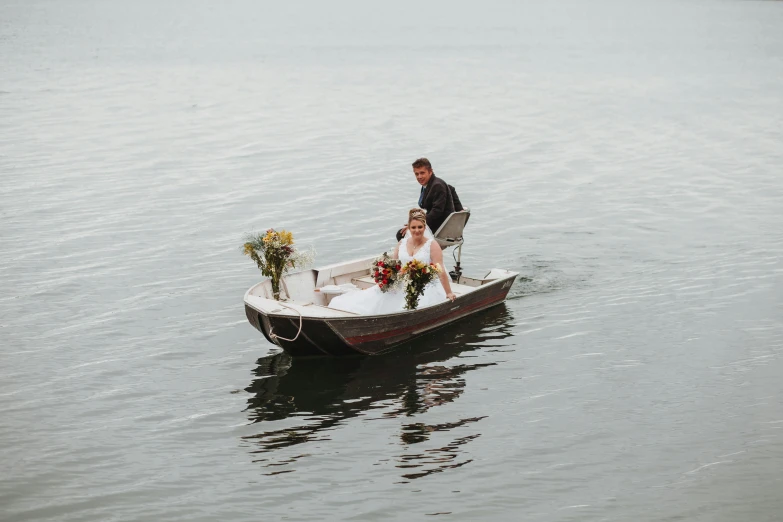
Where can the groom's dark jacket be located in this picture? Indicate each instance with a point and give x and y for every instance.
(440, 200)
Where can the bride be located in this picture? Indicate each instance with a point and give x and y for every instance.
(415, 245)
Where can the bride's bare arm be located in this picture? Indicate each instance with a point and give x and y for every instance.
(437, 257)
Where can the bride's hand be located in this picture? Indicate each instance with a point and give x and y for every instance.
(451, 296)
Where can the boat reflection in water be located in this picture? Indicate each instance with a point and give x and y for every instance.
(310, 397)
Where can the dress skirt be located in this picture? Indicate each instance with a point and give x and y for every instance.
(374, 302)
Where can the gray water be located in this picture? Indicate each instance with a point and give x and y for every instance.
(624, 157)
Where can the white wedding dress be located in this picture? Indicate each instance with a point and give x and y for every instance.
(374, 302)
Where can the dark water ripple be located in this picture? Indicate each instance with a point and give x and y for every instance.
(624, 158)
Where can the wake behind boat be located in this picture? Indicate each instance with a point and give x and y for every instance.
(303, 324)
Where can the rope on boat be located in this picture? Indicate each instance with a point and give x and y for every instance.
(272, 333)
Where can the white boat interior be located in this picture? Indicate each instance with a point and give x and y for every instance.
(301, 293)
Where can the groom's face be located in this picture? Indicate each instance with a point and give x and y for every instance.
(423, 175)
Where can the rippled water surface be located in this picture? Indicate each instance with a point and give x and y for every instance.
(625, 157)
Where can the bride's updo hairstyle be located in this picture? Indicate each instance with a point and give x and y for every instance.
(417, 214)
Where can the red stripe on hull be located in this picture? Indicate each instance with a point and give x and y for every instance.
(376, 337)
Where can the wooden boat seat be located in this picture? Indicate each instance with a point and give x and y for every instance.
(342, 272)
(364, 281)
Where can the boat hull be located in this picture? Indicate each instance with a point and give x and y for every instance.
(371, 335)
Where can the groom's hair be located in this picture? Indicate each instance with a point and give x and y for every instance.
(422, 162)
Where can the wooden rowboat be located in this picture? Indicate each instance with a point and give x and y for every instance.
(303, 324)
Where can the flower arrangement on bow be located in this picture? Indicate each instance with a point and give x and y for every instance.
(418, 275)
(275, 254)
(386, 272)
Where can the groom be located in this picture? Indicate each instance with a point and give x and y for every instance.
(437, 197)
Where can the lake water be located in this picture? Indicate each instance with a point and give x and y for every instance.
(625, 157)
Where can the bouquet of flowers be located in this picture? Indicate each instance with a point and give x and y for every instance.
(418, 275)
(275, 254)
(386, 272)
